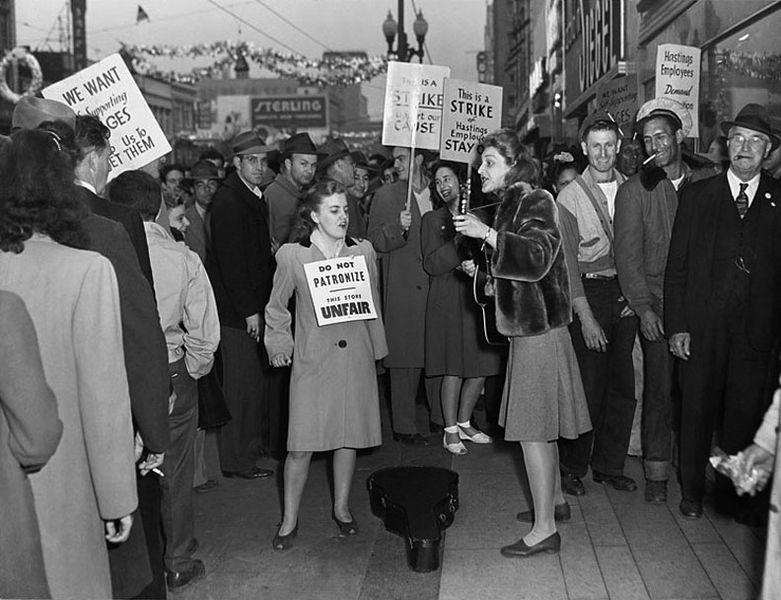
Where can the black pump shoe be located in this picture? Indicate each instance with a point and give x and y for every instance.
(284, 542)
(520, 549)
(346, 527)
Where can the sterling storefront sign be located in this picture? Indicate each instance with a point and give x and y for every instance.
(595, 41)
(287, 112)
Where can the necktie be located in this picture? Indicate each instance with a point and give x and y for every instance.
(741, 202)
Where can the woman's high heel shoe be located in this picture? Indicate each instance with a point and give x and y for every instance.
(284, 542)
(478, 438)
(456, 448)
(346, 527)
(520, 549)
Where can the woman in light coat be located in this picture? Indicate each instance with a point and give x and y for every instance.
(334, 403)
(86, 493)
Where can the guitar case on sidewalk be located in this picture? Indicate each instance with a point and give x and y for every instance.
(417, 503)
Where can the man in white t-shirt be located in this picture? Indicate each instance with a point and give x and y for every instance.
(603, 327)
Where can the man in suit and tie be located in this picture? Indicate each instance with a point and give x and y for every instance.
(723, 307)
(241, 269)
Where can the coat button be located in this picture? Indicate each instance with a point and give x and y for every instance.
(342, 343)
(773, 508)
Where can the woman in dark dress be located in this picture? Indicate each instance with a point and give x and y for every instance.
(455, 348)
(543, 396)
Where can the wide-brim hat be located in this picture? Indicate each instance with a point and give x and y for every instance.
(669, 108)
(754, 116)
(203, 170)
(30, 112)
(249, 142)
(300, 143)
(332, 150)
(362, 163)
(601, 118)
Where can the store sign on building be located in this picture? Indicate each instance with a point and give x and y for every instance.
(595, 42)
(289, 112)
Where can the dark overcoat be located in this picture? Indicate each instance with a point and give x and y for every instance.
(240, 265)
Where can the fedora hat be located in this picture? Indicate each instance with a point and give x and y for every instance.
(332, 150)
(249, 142)
(601, 118)
(753, 116)
(667, 107)
(362, 163)
(30, 112)
(203, 170)
(300, 143)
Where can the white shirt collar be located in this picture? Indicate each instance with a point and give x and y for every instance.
(734, 185)
(254, 189)
(86, 184)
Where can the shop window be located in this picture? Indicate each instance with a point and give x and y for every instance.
(742, 68)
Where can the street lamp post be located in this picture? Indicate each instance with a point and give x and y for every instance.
(404, 52)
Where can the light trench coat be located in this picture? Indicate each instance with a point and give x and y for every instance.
(333, 384)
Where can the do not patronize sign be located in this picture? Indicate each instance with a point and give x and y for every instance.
(108, 91)
(471, 110)
(340, 289)
(413, 102)
(678, 78)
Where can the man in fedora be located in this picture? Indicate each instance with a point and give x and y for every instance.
(241, 269)
(645, 210)
(722, 310)
(337, 163)
(298, 156)
(359, 191)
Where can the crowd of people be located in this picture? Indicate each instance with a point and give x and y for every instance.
(140, 312)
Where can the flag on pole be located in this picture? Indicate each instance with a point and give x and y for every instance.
(141, 15)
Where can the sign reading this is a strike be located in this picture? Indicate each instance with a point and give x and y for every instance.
(340, 289)
(678, 77)
(471, 110)
(108, 91)
(413, 101)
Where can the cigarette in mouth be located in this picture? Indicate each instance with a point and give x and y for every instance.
(649, 159)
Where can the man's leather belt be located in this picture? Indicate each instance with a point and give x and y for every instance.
(598, 276)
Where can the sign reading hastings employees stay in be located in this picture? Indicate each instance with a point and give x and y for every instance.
(413, 102)
(108, 91)
(678, 77)
(470, 111)
(340, 289)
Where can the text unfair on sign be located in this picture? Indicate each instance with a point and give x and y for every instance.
(289, 111)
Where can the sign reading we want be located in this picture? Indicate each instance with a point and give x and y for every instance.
(107, 90)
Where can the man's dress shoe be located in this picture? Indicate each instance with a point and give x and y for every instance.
(178, 579)
(622, 483)
(691, 509)
(521, 549)
(253, 473)
(411, 439)
(572, 485)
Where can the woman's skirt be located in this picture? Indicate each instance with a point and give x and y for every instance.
(543, 395)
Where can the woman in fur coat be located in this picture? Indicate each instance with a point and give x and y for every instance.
(543, 396)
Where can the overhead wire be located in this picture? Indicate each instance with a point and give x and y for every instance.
(254, 28)
(293, 25)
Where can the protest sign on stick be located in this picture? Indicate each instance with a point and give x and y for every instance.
(340, 289)
(108, 91)
(470, 111)
(619, 98)
(678, 78)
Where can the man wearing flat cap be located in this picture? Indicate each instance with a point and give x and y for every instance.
(722, 310)
(645, 210)
(603, 327)
(241, 269)
(298, 157)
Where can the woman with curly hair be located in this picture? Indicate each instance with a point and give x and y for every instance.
(543, 395)
(86, 493)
